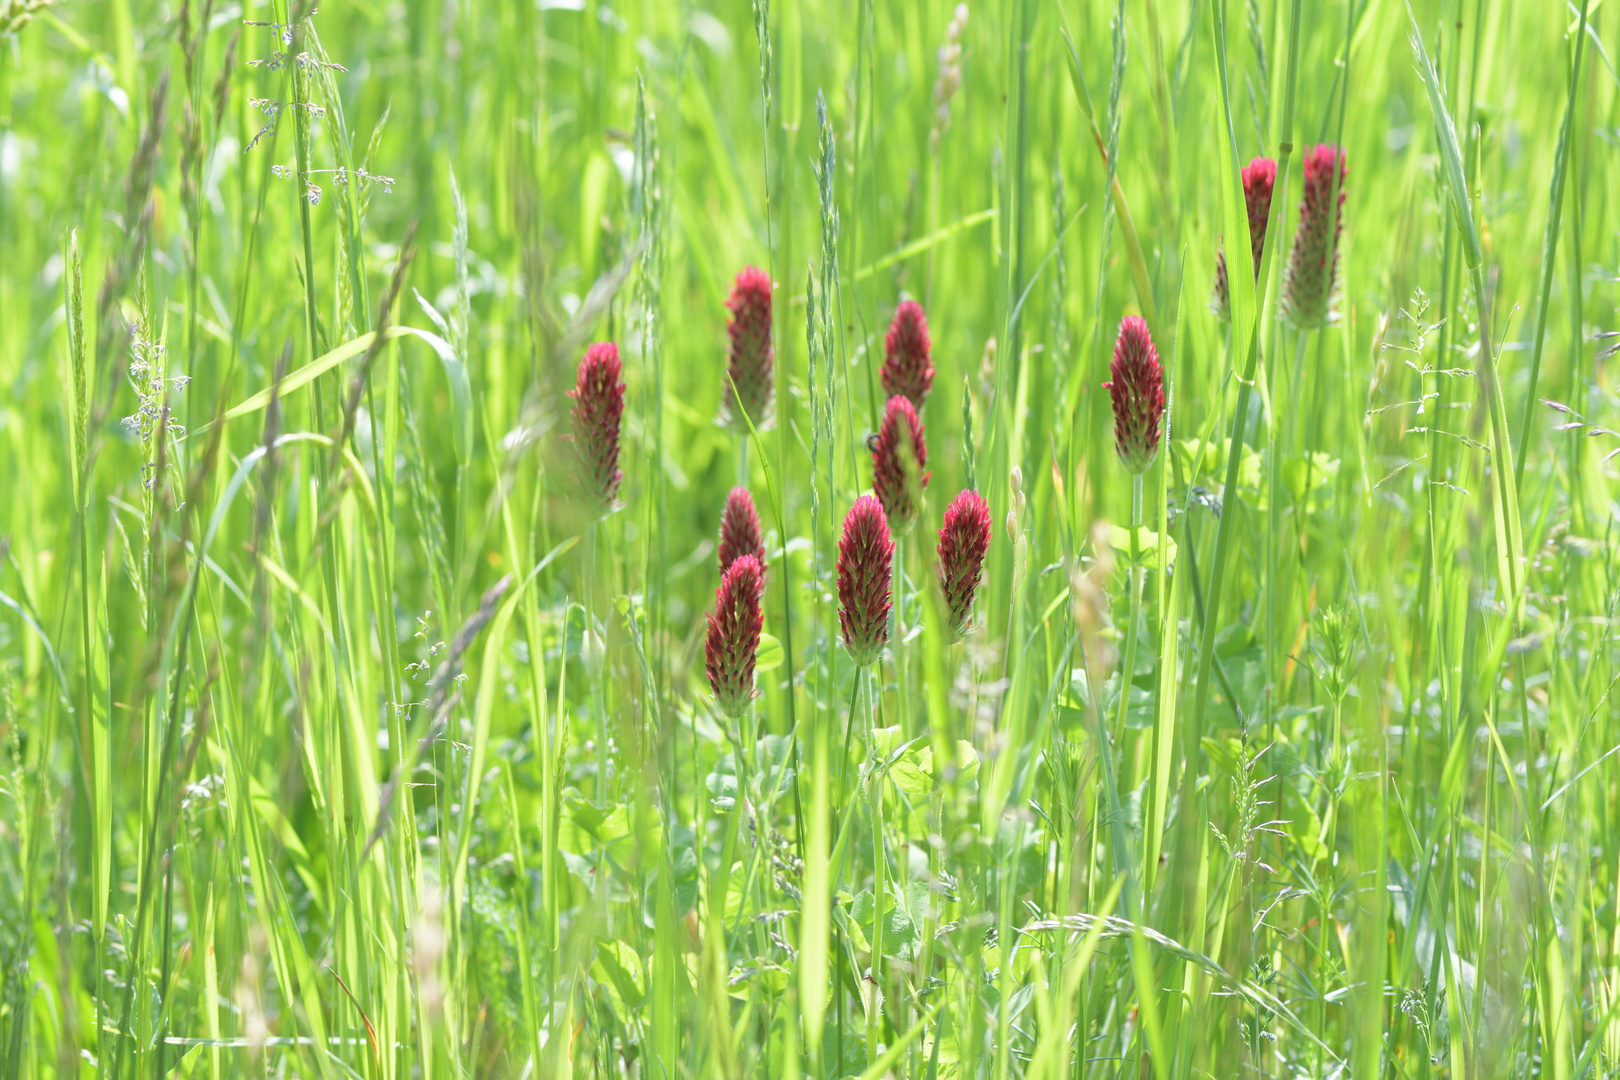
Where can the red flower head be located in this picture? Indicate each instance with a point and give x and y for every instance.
(739, 530)
(734, 628)
(1313, 265)
(752, 357)
(598, 408)
(962, 545)
(1137, 391)
(899, 457)
(865, 558)
(1259, 177)
(906, 366)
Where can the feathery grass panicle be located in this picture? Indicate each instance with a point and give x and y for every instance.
(732, 647)
(865, 558)
(598, 411)
(963, 541)
(1313, 265)
(948, 80)
(1137, 393)
(908, 369)
(751, 362)
(899, 464)
(740, 532)
(1259, 177)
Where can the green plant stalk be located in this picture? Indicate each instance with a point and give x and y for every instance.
(1549, 252)
(596, 662)
(1504, 491)
(1238, 265)
(880, 881)
(1122, 209)
(1133, 585)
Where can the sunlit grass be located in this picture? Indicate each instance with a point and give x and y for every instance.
(346, 736)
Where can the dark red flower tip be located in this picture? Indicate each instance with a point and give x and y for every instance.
(865, 561)
(598, 410)
(899, 463)
(1313, 265)
(1259, 178)
(740, 533)
(963, 541)
(734, 628)
(907, 369)
(1137, 392)
(753, 359)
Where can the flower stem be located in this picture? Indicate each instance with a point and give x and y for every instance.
(874, 1012)
(594, 662)
(1133, 578)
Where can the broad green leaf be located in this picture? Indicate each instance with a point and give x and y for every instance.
(1119, 538)
(770, 655)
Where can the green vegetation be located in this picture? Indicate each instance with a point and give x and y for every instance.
(340, 739)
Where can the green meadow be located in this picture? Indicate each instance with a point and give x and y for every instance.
(342, 737)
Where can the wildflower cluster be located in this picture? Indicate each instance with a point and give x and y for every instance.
(749, 386)
(1259, 177)
(1137, 393)
(1313, 265)
(598, 410)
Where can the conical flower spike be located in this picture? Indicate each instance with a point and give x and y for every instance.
(752, 360)
(907, 369)
(963, 541)
(899, 463)
(739, 530)
(1137, 391)
(734, 627)
(598, 409)
(1259, 177)
(1313, 265)
(865, 559)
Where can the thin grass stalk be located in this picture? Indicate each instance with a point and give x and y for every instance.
(1240, 276)
(1549, 251)
(875, 1009)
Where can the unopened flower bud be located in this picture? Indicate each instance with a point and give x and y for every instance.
(735, 624)
(598, 410)
(752, 358)
(865, 562)
(1314, 262)
(1137, 394)
(1259, 177)
(963, 541)
(740, 533)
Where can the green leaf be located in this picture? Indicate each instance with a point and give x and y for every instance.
(770, 655)
(722, 784)
(899, 935)
(920, 772)
(619, 967)
(1302, 475)
(1119, 538)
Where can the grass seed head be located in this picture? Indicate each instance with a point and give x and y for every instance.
(865, 558)
(1313, 265)
(734, 628)
(598, 410)
(1137, 391)
(1259, 178)
(753, 360)
(740, 533)
(963, 541)
(907, 367)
